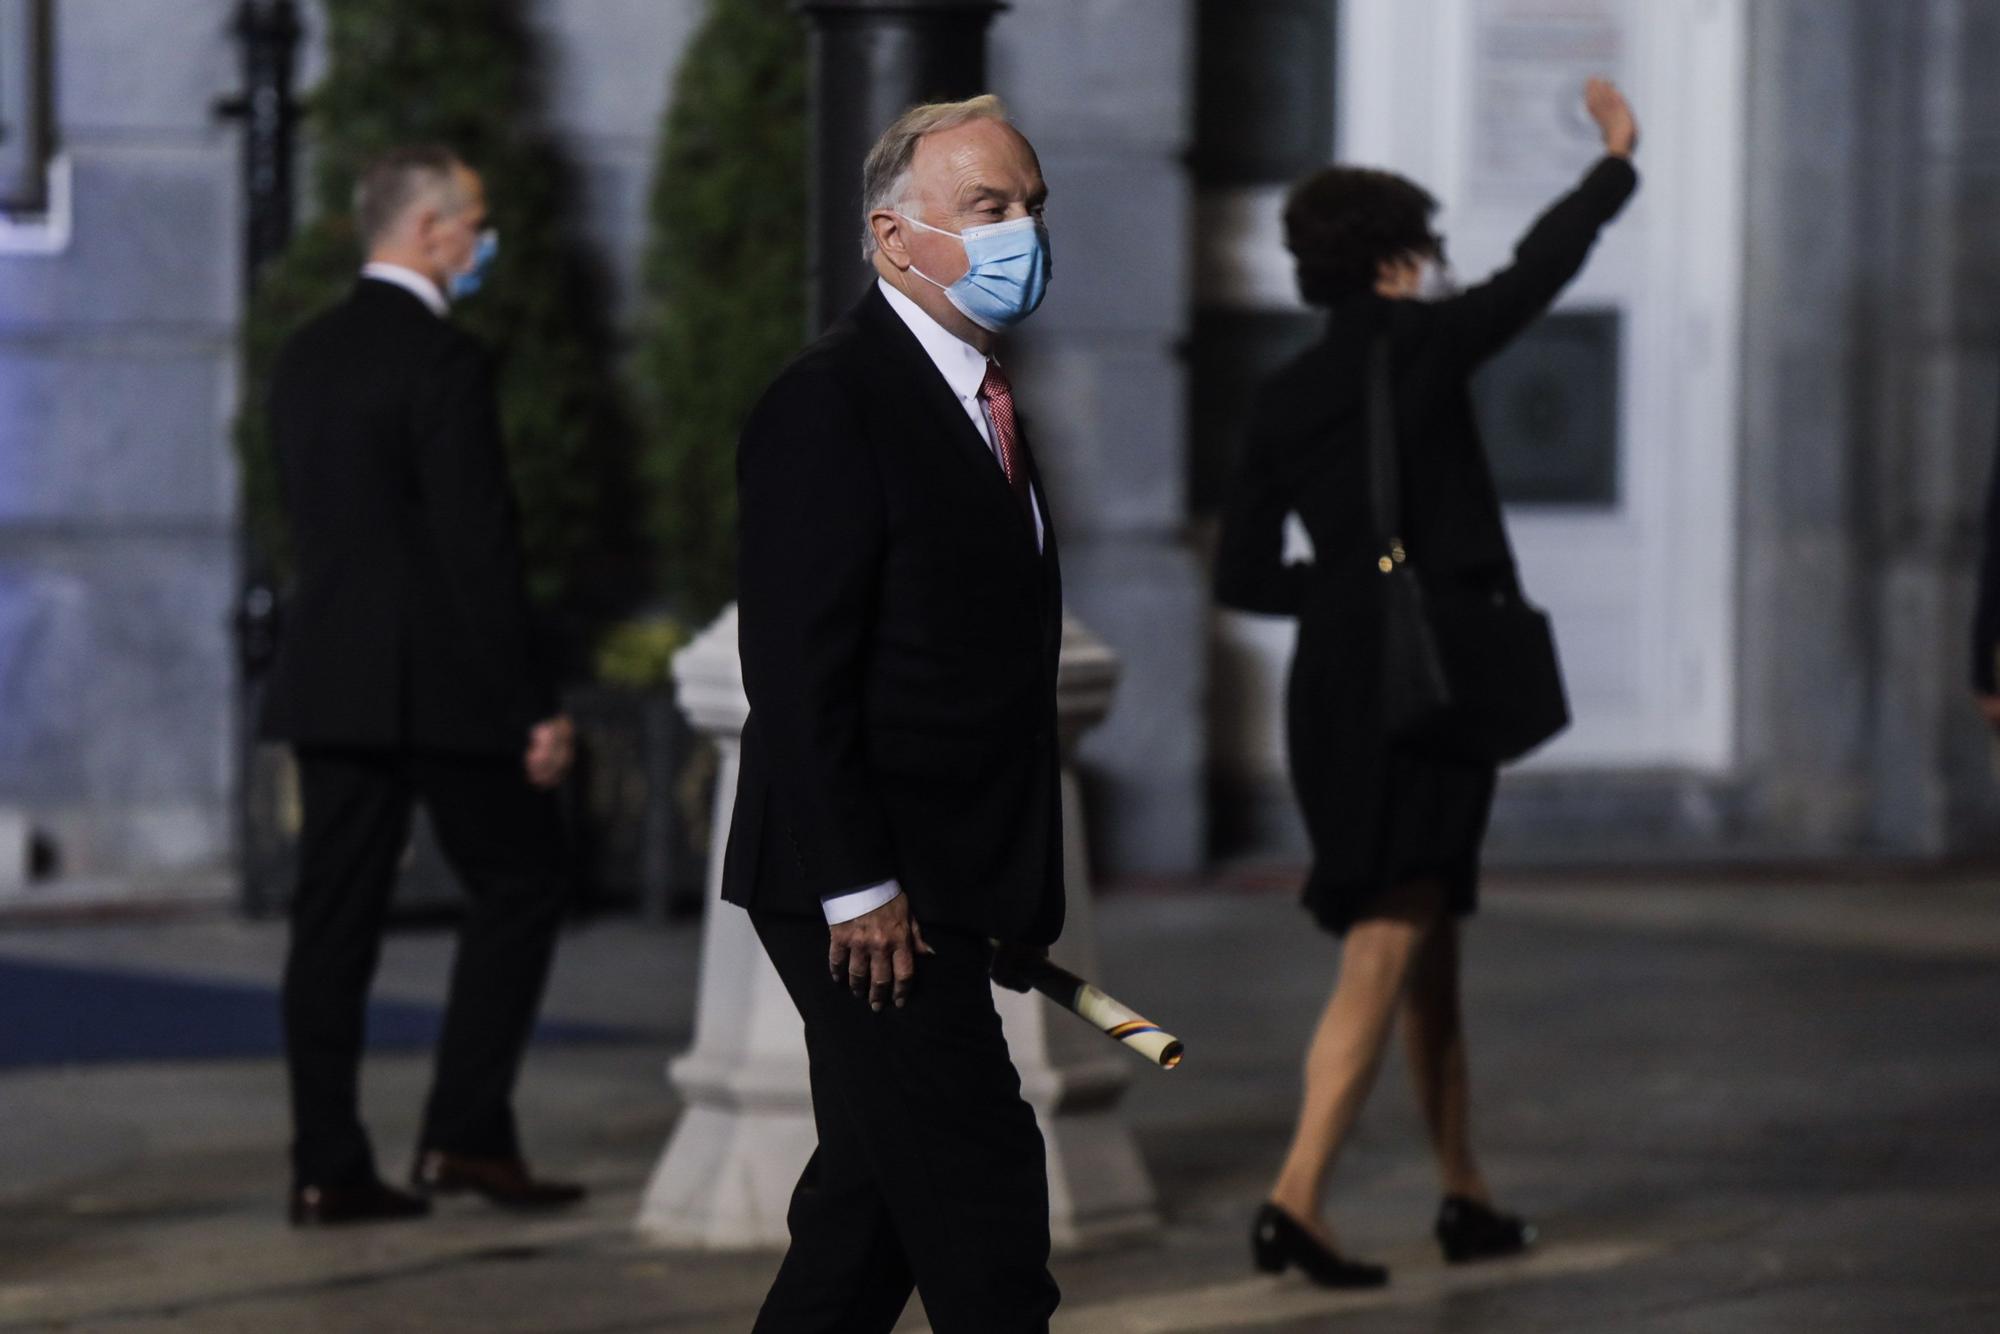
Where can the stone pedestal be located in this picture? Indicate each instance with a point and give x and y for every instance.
(726, 1177)
(14, 853)
(728, 1171)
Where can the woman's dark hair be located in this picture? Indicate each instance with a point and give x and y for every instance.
(1341, 223)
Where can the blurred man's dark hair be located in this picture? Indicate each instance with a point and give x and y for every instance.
(1343, 223)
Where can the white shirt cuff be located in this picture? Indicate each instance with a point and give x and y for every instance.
(858, 903)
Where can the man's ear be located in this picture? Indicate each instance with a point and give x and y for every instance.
(890, 238)
(422, 223)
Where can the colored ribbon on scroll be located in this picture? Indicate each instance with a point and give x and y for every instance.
(1094, 1007)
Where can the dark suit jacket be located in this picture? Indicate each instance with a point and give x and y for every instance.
(407, 624)
(900, 635)
(1307, 453)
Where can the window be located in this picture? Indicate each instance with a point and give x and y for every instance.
(24, 108)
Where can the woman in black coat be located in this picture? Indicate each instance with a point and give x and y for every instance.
(1395, 835)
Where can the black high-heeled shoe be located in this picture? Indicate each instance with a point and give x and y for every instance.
(1278, 1242)
(1468, 1230)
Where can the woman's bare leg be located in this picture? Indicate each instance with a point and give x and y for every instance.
(1375, 963)
(1434, 1041)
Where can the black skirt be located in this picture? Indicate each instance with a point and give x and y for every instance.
(1378, 816)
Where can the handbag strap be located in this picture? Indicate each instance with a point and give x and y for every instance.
(1384, 467)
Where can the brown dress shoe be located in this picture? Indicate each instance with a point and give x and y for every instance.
(504, 1181)
(366, 1202)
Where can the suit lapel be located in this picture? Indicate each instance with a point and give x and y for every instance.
(915, 370)
(1051, 564)
(1037, 489)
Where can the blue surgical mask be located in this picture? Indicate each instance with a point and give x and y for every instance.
(1007, 273)
(484, 252)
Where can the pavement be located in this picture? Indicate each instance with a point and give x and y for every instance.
(1751, 1102)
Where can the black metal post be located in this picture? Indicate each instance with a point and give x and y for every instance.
(269, 32)
(872, 59)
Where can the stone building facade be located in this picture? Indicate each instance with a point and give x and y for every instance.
(119, 300)
(1818, 529)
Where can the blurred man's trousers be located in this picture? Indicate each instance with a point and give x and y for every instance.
(930, 1171)
(504, 839)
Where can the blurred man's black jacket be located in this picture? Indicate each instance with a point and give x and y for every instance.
(900, 636)
(408, 625)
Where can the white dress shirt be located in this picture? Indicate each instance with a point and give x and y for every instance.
(418, 286)
(963, 367)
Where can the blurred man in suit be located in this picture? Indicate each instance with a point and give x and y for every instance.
(899, 804)
(407, 674)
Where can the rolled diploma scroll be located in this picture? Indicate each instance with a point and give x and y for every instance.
(1094, 1007)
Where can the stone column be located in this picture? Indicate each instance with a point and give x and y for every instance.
(871, 59)
(726, 1176)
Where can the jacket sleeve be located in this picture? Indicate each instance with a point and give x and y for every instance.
(472, 519)
(813, 537)
(1986, 612)
(1481, 320)
(1250, 569)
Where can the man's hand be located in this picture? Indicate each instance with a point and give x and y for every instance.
(1607, 106)
(1989, 709)
(1014, 965)
(551, 749)
(875, 954)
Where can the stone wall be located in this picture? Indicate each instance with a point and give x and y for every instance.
(1871, 315)
(1105, 88)
(1871, 311)
(117, 387)
(609, 69)
(116, 490)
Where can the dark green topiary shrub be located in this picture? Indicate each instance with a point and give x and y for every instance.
(724, 301)
(461, 72)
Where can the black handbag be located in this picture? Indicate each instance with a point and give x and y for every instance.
(1468, 673)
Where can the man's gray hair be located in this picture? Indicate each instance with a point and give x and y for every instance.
(885, 176)
(390, 184)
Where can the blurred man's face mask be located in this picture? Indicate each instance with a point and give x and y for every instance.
(1007, 272)
(467, 281)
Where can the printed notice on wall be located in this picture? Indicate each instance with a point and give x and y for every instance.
(1530, 135)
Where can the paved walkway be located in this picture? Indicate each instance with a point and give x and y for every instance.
(1732, 1104)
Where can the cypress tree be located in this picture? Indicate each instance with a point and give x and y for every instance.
(462, 73)
(724, 283)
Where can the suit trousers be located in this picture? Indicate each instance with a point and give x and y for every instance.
(504, 839)
(930, 1171)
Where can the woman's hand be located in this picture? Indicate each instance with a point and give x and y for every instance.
(1608, 107)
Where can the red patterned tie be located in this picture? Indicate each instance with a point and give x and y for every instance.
(999, 397)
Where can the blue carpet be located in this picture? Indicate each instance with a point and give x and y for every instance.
(54, 1014)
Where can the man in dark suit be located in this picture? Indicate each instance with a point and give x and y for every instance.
(899, 807)
(406, 673)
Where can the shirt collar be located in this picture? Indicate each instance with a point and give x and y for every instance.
(418, 286)
(962, 365)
